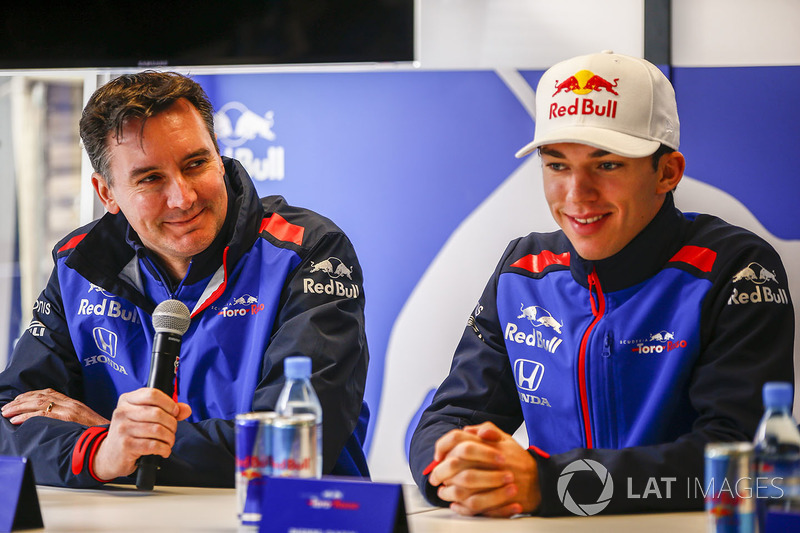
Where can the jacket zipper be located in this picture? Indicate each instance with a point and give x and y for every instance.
(598, 310)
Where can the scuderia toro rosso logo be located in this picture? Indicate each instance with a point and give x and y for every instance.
(655, 343)
(763, 280)
(242, 305)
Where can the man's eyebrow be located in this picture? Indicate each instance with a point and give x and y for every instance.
(141, 170)
(202, 152)
(549, 151)
(555, 153)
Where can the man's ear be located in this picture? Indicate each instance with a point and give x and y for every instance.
(105, 193)
(670, 167)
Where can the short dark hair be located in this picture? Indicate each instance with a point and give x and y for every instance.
(662, 150)
(136, 96)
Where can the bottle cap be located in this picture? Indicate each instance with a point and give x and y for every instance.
(297, 367)
(778, 394)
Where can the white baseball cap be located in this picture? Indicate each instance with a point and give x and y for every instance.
(614, 102)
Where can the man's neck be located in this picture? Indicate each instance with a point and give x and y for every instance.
(176, 270)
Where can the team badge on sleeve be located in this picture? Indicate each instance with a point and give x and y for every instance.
(765, 285)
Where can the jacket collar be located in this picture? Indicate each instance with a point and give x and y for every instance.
(641, 258)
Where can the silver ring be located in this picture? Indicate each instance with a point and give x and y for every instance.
(49, 408)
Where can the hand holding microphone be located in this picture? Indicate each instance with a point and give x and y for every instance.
(170, 321)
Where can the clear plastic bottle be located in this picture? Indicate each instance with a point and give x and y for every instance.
(777, 453)
(298, 397)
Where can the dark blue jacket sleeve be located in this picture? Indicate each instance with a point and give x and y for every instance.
(479, 388)
(44, 358)
(329, 328)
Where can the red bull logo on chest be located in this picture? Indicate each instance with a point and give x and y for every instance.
(585, 82)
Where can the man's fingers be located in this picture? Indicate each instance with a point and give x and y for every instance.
(152, 397)
(185, 411)
(507, 511)
(480, 480)
(26, 403)
(470, 482)
(145, 415)
(19, 419)
(466, 456)
(486, 431)
(450, 440)
(486, 501)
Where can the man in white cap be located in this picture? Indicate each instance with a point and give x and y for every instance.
(625, 342)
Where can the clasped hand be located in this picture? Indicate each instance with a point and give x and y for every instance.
(482, 470)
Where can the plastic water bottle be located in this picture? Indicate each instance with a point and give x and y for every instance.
(298, 397)
(777, 452)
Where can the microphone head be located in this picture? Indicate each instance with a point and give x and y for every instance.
(171, 316)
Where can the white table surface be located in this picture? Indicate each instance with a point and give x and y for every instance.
(169, 509)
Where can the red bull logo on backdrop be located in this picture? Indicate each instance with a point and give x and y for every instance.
(581, 83)
(242, 133)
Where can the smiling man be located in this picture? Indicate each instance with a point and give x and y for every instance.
(182, 223)
(625, 342)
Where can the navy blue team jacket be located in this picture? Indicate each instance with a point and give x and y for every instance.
(635, 361)
(278, 281)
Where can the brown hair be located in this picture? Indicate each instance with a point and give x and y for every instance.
(136, 96)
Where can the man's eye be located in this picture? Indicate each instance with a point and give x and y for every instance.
(556, 166)
(610, 165)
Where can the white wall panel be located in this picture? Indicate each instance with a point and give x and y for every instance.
(530, 34)
(735, 33)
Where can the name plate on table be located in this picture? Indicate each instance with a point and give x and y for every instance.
(782, 521)
(332, 504)
(19, 505)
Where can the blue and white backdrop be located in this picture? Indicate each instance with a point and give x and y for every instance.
(418, 168)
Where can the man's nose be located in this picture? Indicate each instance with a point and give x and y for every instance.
(181, 193)
(581, 187)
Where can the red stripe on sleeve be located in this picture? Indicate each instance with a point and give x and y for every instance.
(72, 243)
(82, 446)
(701, 258)
(430, 467)
(538, 451)
(96, 444)
(281, 229)
(537, 263)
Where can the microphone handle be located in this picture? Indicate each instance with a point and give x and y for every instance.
(146, 474)
(166, 349)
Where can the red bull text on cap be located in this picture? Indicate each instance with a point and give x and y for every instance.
(614, 102)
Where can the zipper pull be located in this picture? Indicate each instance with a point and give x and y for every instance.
(471, 323)
(608, 342)
(592, 284)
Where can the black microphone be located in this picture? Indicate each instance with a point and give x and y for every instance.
(170, 320)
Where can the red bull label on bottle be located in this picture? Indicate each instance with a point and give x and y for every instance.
(253, 462)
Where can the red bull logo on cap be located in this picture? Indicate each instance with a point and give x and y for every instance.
(584, 82)
(581, 83)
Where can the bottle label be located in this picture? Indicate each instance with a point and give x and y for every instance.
(778, 478)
